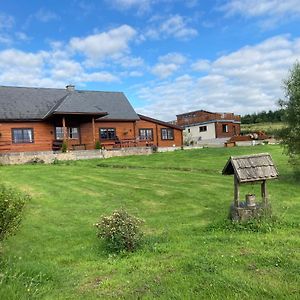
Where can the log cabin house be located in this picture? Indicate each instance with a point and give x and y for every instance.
(41, 119)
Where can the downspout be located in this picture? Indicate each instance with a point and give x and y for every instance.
(157, 135)
(94, 131)
(181, 138)
(216, 129)
(134, 133)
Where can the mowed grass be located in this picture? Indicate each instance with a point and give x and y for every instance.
(187, 254)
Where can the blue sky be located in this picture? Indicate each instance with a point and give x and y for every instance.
(167, 56)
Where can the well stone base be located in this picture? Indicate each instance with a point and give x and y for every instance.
(244, 213)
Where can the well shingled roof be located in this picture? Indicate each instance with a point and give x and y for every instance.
(249, 168)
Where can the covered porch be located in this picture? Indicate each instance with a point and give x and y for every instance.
(74, 131)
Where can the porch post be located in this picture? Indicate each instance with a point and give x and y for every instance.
(64, 131)
(236, 192)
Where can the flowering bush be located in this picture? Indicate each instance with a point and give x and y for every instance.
(11, 207)
(120, 231)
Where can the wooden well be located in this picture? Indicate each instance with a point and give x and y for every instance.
(247, 169)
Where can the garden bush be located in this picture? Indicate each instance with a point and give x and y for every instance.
(120, 231)
(11, 207)
(98, 145)
(64, 147)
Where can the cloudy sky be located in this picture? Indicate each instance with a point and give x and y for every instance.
(167, 56)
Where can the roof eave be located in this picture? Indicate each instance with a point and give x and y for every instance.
(257, 179)
(21, 120)
(62, 113)
(116, 120)
(142, 117)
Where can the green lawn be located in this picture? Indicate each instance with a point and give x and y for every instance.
(184, 201)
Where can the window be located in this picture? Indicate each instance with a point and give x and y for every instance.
(202, 128)
(107, 133)
(59, 133)
(225, 128)
(22, 135)
(189, 130)
(146, 134)
(73, 133)
(167, 134)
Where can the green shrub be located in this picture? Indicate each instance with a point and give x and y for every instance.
(98, 145)
(35, 161)
(154, 149)
(55, 161)
(11, 207)
(64, 147)
(120, 231)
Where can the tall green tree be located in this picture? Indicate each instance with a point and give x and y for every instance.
(290, 135)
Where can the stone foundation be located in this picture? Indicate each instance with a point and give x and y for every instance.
(245, 213)
(49, 157)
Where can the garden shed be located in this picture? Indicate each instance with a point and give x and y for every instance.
(257, 168)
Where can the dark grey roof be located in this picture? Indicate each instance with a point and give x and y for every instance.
(19, 103)
(250, 168)
(27, 103)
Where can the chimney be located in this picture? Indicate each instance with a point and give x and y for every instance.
(70, 88)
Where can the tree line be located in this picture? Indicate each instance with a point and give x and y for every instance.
(264, 117)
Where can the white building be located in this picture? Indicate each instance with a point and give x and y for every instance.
(200, 126)
(195, 133)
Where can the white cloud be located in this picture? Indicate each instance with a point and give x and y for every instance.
(12, 58)
(98, 77)
(21, 68)
(64, 68)
(85, 8)
(100, 53)
(135, 74)
(164, 70)
(110, 44)
(130, 62)
(256, 8)
(22, 36)
(9, 35)
(168, 64)
(6, 21)
(141, 5)
(271, 12)
(5, 39)
(175, 26)
(44, 15)
(201, 65)
(173, 57)
(247, 80)
(191, 3)
(46, 69)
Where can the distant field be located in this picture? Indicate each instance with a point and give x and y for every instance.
(188, 253)
(269, 128)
